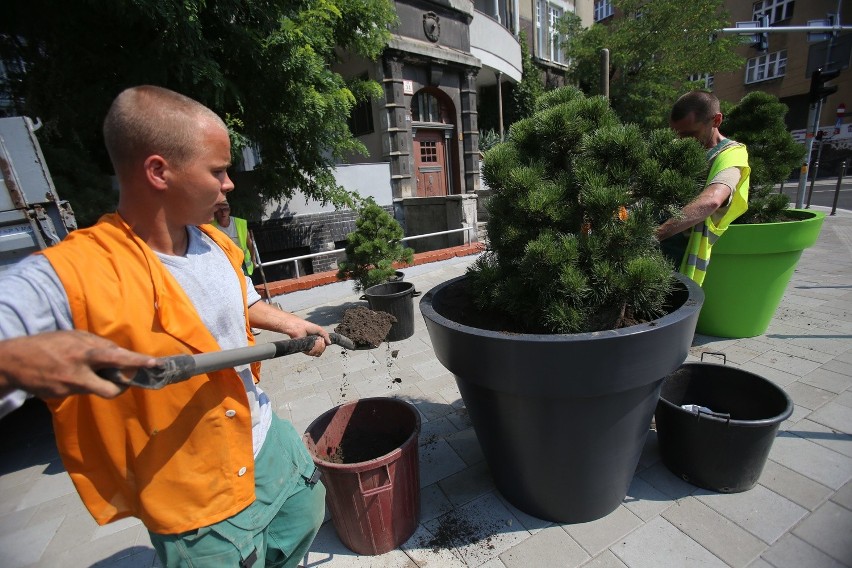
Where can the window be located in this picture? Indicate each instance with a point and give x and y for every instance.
(705, 78)
(428, 152)
(765, 67)
(361, 118)
(426, 108)
(361, 115)
(603, 9)
(555, 40)
(548, 40)
(777, 10)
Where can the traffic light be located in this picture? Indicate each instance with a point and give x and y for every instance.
(819, 90)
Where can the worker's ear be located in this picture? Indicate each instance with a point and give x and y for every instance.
(717, 119)
(156, 168)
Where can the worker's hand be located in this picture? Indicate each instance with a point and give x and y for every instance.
(297, 327)
(264, 316)
(63, 363)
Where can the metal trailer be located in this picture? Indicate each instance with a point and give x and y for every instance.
(32, 216)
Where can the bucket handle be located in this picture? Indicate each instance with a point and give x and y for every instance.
(376, 490)
(717, 353)
(723, 415)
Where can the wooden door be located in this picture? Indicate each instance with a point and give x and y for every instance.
(429, 163)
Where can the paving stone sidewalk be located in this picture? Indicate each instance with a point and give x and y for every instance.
(799, 515)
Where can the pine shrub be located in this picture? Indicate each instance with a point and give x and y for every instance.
(577, 197)
(758, 122)
(373, 247)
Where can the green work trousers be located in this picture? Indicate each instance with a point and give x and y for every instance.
(276, 530)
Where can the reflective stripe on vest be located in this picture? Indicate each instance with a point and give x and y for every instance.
(704, 235)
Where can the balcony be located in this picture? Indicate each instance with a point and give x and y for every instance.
(495, 47)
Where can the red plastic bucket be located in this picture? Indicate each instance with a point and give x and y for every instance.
(367, 452)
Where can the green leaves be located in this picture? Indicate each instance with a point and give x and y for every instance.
(653, 48)
(267, 64)
(572, 219)
(758, 122)
(373, 247)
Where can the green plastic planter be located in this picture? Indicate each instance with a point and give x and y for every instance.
(750, 268)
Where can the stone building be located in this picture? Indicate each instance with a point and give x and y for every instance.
(422, 135)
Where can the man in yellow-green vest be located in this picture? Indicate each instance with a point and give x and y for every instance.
(688, 238)
(237, 229)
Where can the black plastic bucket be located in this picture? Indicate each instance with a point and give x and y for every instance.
(397, 299)
(724, 450)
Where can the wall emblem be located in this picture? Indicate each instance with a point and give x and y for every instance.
(432, 26)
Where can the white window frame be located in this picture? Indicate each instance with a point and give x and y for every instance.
(707, 78)
(603, 9)
(772, 9)
(766, 67)
(554, 13)
(547, 37)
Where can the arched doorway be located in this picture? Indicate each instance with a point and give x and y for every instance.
(432, 114)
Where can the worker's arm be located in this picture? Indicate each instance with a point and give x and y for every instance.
(264, 316)
(62, 363)
(713, 197)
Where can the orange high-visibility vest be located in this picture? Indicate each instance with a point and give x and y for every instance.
(179, 458)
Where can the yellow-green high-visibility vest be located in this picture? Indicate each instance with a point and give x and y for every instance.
(242, 234)
(704, 235)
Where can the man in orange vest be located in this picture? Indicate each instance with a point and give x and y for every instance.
(206, 464)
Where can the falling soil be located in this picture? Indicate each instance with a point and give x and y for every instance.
(360, 445)
(365, 327)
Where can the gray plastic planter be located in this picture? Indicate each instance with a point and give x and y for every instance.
(562, 419)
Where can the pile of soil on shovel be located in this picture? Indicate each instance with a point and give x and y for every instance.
(365, 327)
(358, 446)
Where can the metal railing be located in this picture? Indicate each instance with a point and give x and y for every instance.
(295, 259)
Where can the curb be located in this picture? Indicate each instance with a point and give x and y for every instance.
(322, 278)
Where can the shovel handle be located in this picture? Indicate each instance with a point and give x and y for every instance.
(177, 368)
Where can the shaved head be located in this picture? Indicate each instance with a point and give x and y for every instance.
(705, 106)
(148, 120)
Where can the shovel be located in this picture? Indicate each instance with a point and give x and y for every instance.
(177, 368)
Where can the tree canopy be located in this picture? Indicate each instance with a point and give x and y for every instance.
(654, 49)
(263, 65)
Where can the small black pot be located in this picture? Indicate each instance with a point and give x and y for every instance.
(396, 299)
